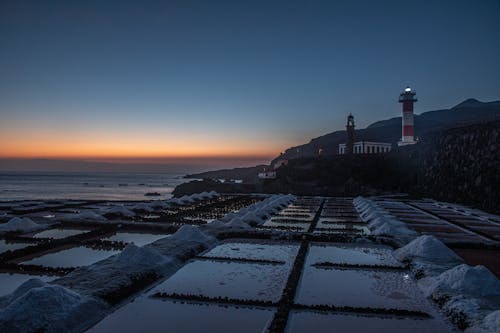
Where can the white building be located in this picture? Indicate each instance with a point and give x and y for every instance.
(367, 147)
(267, 175)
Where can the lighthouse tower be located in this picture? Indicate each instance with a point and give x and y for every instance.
(407, 97)
(349, 149)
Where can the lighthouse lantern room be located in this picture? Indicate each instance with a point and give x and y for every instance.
(407, 98)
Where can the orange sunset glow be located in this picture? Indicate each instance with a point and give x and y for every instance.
(109, 146)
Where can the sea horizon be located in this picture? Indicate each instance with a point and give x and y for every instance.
(94, 185)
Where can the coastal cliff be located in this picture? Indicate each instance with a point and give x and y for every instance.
(456, 165)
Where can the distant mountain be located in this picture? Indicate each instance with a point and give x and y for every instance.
(468, 112)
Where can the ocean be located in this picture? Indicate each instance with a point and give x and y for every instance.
(87, 186)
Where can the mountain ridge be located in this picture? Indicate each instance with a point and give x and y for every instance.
(469, 111)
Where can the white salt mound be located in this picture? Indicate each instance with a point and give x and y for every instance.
(186, 199)
(88, 216)
(463, 279)
(24, 288)
(157, 204)
(251, 217)
(395, 229)
(111, 274)
(120, 210)
(381, 220)
(48, 308)
(23, 224)
(244, 210)
(193, 234)
(490, 324)
(237, 223)
(143, 207)
(205, 195)
(427, 248)
(216, 224)
(229, 216)
(134, 255)
(195, 197)
(176, 201)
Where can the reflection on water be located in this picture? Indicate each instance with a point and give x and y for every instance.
(285, 253)
(351, 254)
(359, 288)
(135, 238)
(324, 323)
(233, 280)
(9, 246)
(152, 315)
(58, 233)
(74, 257)
(87, 186)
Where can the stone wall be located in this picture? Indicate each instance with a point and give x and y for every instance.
(459, 165)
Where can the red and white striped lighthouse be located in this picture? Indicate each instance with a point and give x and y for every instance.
(407, 97)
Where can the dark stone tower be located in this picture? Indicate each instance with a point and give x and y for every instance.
(349, 147)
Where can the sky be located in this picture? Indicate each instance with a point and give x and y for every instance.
(235, 81)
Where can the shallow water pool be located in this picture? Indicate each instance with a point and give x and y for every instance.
(59, 233)
(11, 246)
(73, 257)
(228, 279)
(138, 239)
(148, 315)
(359, 288)
(348, 253)
(324, 322)
(284, 253)
(293, 226)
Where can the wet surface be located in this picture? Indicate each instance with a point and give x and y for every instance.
(228, 279)
(74, 257)
(359, 288)
(351, 254)
(327, 322)
(284, 253)
(138, 239)
(11, 246)
(153, 315)
(59, 233)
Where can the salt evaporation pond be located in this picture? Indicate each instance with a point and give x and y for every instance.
(332, 220)
(59, 233)
(138, 239)
(74, 257)
(228, 279)
(359, 288)
(354, 254)
(284, 253)
(10, 246)
(340, 232)
(302, 226)
(148, 315)
(9, 282)
(302, 321)
(343, 226)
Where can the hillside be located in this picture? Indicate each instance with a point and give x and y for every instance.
(455, 165)
(247, 175)
(470, 111)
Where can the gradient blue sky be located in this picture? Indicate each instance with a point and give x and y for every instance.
(229, 78)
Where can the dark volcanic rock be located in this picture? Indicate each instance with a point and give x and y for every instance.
(468, 112)
(457, 165)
